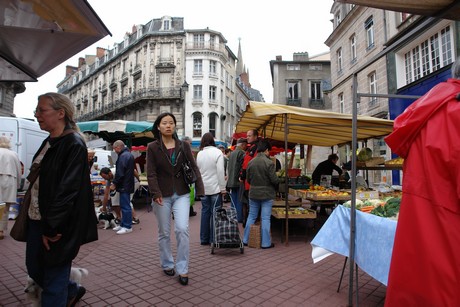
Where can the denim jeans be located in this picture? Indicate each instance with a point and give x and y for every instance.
(234, 193)
(254, 206)
(126, 211)
(53, 280)
(179, 206)
(209, 203)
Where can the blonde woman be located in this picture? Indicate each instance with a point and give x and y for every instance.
(61, 212)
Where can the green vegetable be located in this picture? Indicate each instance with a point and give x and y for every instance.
(365, 154)
(390, 209)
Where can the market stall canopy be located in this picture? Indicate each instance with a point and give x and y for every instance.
(38, 35)
(132, 132)
(446, 9)
(276, 143)
(308, 126)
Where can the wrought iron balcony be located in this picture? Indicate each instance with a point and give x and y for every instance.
(316, 103)
(297, 102)
(137, 96)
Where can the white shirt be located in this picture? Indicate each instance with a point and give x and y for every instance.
(10, 165)
(210, 161)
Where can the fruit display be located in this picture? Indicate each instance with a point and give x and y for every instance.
(395, 162)
(317, 188)
(328, 194)
(297, 212)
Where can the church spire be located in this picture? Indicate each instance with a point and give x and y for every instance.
(239, 66)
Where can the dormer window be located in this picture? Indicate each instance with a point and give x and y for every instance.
(139, 31)
(166, 24)
(126, 40)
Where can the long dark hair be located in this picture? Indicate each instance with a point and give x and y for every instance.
(207, 140)
(156, 124)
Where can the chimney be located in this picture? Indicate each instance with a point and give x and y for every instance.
(300, 56)
(81, 62)
(279, 57)
(100, 52)
(70, 70)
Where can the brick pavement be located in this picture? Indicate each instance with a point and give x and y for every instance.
(124, 271)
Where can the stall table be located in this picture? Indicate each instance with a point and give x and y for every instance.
(306, 215)
(374, 241)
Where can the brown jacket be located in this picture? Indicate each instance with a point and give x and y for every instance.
(163, 177)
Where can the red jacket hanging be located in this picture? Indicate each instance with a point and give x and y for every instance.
(425, 265)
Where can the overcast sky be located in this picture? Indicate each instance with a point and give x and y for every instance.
(266, 30)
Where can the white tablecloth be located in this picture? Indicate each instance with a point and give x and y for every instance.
(374, 241)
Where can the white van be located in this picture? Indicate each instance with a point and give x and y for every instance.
(26, 137)
(104, 158)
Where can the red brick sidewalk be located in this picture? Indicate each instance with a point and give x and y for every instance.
(124, 271)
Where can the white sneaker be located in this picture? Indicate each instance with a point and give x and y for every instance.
(117, 228)
(123, 231)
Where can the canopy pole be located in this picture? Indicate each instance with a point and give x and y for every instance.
(286, 179)
(353, 190)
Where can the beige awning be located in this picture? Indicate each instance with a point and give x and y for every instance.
(308, 126)
(447, 9)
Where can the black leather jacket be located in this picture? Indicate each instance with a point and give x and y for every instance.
(65, 197)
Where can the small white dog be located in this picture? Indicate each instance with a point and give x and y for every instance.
(33, 290)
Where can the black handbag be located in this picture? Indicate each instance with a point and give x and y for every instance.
(187, 169)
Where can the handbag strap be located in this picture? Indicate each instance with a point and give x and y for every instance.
(183, 151)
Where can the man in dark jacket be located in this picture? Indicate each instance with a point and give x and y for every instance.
(123, 183)
(235, 164)
(251, 150)
(326, 168)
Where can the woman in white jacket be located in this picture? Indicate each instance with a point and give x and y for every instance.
(210, 161)
(10, 180)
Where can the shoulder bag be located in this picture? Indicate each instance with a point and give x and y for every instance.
(19, 229)
(187, 169)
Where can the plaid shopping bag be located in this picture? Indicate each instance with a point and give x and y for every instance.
(226, 226)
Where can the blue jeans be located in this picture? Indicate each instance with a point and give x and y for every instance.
(207, 214)
(53, 280)
(234, 193)
(180, 207)
(126, 211)
(254, 206)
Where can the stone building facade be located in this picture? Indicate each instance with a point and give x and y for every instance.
(390, 53)
(9, 90)
(160, 67)
(302, 81)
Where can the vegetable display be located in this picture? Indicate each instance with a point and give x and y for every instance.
(389, 209)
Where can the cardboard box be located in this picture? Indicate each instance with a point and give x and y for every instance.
(367, 194)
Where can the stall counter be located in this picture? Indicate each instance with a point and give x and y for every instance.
(374, 241)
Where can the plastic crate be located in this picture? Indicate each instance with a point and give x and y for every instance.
(294, 172)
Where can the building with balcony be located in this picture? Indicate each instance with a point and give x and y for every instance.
(302, 81)
(161, 67)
